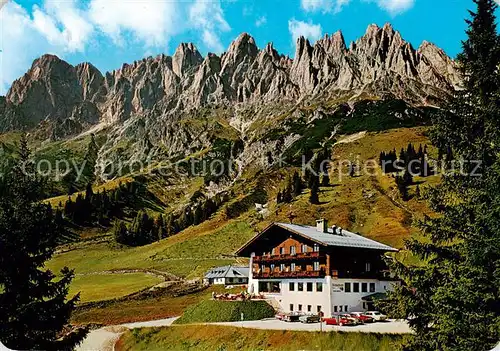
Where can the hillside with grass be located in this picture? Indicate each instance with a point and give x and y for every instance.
(209, 337)
(368, 203)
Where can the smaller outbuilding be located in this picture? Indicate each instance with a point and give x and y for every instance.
(227, 275)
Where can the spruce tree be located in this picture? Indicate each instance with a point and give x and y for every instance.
(453, 295)
(314, 195)
(34, 309)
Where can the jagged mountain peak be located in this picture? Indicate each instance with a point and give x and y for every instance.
(379, 63)
(186, 57)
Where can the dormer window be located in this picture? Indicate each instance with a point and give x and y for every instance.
(316, 248)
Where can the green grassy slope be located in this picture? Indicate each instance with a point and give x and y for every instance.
(208, 337)
(226, 311)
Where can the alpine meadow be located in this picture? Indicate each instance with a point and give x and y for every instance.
(344, 196)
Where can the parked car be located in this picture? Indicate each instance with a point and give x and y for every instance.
(310, 318)
(341, 320)
(279, 316)
(376, 315)
(291, 317)
(362, 318)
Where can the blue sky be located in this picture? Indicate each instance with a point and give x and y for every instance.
(109, 33)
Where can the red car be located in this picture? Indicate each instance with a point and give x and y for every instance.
(362, 318)
(340, 320)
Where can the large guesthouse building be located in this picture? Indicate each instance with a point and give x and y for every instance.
(310, 269)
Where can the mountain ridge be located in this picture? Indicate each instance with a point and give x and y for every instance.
(378, 62)
(171, 106)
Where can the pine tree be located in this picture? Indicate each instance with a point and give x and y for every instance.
(325, 181)
(297, 184)
(453, 297)
(33, 306)
(314, 195)
(120, 232)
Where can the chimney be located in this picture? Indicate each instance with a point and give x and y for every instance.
(322, 225)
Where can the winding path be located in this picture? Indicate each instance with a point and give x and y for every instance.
(104, 339)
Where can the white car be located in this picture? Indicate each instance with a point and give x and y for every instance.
(376, 315)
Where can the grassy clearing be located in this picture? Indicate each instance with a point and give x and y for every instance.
(205, 337)
(188, 254)
(97, 287)
(226, 311)
(142, 310)
(366, 203)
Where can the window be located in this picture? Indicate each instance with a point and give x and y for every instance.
(319, 287)
(291, 307)
(300, 286)
(316, 265)
(273, 251)
(270, 287)
(364, 305)
(309, 308)
(282, 250)
(262, 268)
(293, 250)
(300, 308)
(347, 287)
(346, 309)
(303, 248)
(340, 308)
(309, 287)
(292, 267)
(368, 267)
(318, 308)
(291, 286)
(372, 287)
(335, 309)
(364, 287)
(316, 248)
(355, 287)
(282, 267)
(272, 267)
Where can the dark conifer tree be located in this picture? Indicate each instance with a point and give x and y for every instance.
(314, 195)
(297, 184)
(34, 308)
(453, 297)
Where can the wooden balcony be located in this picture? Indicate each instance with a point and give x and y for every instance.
(289, 275)
(289, 257)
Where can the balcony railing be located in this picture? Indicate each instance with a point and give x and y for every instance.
(289, 257)
(284, 274)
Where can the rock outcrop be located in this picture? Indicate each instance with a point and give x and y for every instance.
(171, 106)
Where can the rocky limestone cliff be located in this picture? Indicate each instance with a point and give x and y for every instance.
(379, 63)
(149, 105)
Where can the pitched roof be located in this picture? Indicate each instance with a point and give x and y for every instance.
(228, 272)
(345, 239)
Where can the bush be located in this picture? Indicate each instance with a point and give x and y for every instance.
(226, 311)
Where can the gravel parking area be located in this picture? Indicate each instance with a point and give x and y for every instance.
(388, 327)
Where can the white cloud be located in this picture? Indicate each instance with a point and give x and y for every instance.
(150, 21)
(208, 17)
(395, 7)
(324, 6)
(308, 30)
(261, 21)
(63, 24)
(62, 27)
